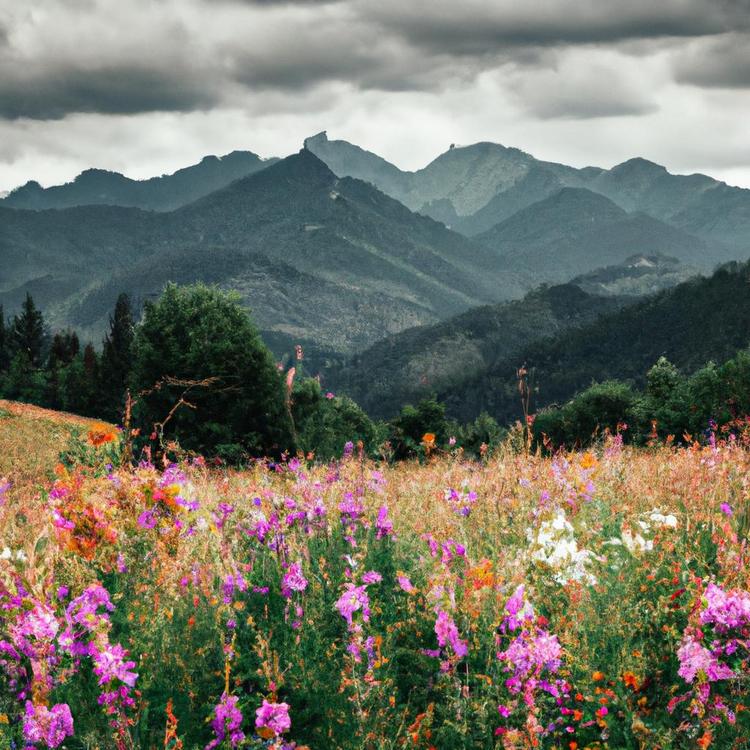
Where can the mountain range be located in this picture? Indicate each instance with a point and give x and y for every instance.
(397, 283)
(472, 188)
(321, 258)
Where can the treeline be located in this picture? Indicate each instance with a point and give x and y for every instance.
(200, 376)
(56, 371)
(714, 401)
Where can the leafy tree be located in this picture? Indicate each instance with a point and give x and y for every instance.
(601, 406)
(484, 430)
(326, 423)
(666, 399)
(28, 333)
(197, 333)
(414, 422)
(116, 360)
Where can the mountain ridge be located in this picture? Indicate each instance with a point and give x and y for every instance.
(394, 269)
(159, 193)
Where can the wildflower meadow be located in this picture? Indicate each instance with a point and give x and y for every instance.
(581, 600)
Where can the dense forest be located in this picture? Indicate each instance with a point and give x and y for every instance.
(567, 364)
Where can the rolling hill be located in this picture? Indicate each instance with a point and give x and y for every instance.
(575, 231)
(699, 320)
(412, 364)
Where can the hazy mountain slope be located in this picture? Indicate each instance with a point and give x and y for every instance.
(282, 299)
(473, 188)
(335, 261)
(414, 363)
(98, 186)
(347, 160)
(78, 241)
(456, 184)
(576, 231)
(345, 230)
(700, 320)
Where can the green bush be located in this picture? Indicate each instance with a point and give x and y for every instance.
(601, 406)
(325, 423)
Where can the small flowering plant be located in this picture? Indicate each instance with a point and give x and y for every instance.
(461, 500)
(714, 659)
(530, 659)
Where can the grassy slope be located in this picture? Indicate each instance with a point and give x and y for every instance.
(31, 439)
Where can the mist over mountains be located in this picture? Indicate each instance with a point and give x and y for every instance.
(368, 265)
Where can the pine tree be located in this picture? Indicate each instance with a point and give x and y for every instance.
(63, 351)
(28, 334)
(79, 384)
(116, 361)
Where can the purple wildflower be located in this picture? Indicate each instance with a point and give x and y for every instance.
(110, 663)
(405, 584)
(725, 610)
(227, 723)
(383, 524)
(293, 580)
(696, 659)
(447, 633)
(273, 717)
(50, 726)
(352, 600)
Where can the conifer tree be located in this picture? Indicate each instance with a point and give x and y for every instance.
(28, 334)
(63, 351)
(116, 360)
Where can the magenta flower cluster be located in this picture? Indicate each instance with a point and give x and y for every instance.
(227, 723)
(531, 657)
(715, 651)
(274, 717)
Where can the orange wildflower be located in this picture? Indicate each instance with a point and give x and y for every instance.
(630, 680)
(101, 433)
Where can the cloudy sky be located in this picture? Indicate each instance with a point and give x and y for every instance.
(147, 86)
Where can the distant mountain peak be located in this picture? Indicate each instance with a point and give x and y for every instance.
(94, 175)
(303, 164)
(317, 139)
(566, 201)
(102, 186)
(639, 165)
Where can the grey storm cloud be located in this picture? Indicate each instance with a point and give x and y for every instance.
(721, 63)
(198, 54)
(474, 27)
(126, 89)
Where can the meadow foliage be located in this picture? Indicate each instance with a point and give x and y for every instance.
(580, 600)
